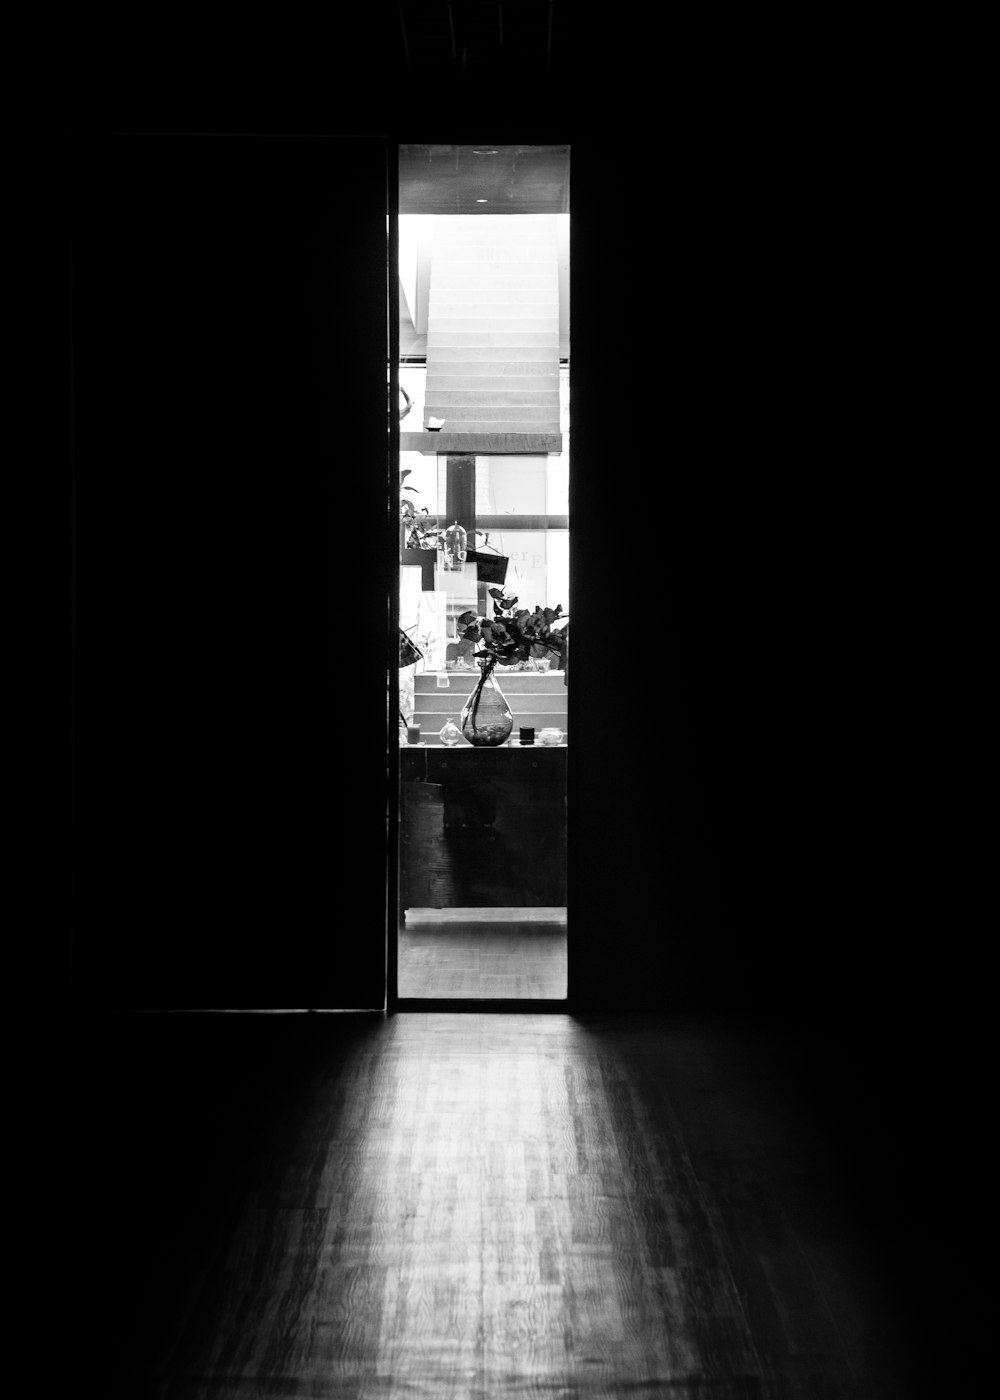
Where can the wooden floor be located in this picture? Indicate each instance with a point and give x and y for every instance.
(482, 954)
(442, 1205)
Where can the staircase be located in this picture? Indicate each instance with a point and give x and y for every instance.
(493, 330)
(536, 698)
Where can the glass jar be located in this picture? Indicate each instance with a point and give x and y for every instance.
(450, 735)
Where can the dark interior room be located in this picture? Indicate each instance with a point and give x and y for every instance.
(749, 1158)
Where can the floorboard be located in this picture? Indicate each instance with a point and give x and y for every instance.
(357, 1207)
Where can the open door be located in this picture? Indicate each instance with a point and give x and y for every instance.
(228, 358)
(484, 611)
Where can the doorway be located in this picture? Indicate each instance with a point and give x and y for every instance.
(483, 601)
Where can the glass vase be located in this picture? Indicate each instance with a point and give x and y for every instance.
(486, 718)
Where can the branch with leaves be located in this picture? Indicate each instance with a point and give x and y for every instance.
(513, 634)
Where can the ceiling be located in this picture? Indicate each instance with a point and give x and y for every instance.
(483, 179)
(460, 59)
(483, 41)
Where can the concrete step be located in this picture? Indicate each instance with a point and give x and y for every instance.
(502, 374)
(465, 413)
(516, 264)
(499, 292)
(449, 701)
(483, 339)
(451, 234)
(491, 358)
(499, 235)
(501, 317)
(465, 278)
(550, 682)
(432, 711)
(536, 245)
(466, 325)
(535, 435)
(503, 305)
(496, 392)
(492, 304)
(498, 378)
(533, 398)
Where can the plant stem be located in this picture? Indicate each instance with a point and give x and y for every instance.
(487, 671)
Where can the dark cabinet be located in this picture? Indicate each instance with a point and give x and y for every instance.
(483, 828)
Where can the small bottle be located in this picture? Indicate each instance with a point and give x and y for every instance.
(450, 735)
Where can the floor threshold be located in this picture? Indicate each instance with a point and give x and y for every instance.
(499, 1005)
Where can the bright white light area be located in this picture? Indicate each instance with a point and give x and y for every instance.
(415, 233)
(425, 485)
(413, 378)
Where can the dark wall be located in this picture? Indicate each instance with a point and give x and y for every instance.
(731, 542)
(689, 525)
(229, 470)
(745, 835)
